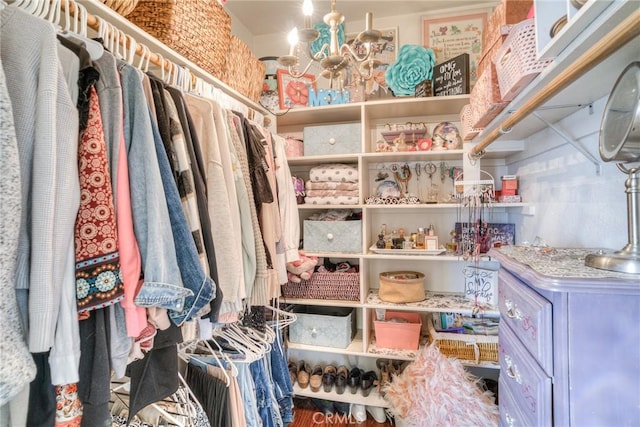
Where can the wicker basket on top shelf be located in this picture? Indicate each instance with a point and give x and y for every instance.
(244, 71)
(123, 7)
(199, 30)
(333, 286)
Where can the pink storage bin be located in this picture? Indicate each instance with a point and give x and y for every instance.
(398, 336)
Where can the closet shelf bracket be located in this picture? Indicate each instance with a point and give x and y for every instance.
(556, 107)
(576, 144)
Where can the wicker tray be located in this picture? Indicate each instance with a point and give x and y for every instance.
(199, 30)
(336, 286)
(478, 348)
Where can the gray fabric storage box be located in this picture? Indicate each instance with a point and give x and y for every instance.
(323, 326)
(332, 139)
(332, 236)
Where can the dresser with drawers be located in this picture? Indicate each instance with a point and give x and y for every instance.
(569, 340)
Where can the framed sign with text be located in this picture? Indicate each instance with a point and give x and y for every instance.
(452, 36)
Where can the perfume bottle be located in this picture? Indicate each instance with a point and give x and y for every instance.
(420, 238)
(380, 244)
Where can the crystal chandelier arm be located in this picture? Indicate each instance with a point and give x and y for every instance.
(348, 50)
(295, 74)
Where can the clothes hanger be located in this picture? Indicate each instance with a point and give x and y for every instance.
(225, 356)
(232, 340)
(78, 31)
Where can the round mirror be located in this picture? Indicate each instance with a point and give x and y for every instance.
(620, 128)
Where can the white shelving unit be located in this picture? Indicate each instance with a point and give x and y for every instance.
(444, 279)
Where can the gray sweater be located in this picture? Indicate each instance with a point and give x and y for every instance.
(46, 123)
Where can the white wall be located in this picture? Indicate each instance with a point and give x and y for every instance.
(574, 207)
(409, 28)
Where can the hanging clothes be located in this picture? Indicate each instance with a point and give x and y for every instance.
(17, 368)
(287, 246)
(46, 123)
(213, 395)
(259, 294)
(222, 204)
(162, 286)
(199, 177)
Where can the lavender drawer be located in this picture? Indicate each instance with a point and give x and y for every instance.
(510, 414)
(529, 316)
(526, 381)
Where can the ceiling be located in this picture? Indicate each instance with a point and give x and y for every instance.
(268, 16)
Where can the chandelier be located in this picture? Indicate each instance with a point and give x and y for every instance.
(333, 57)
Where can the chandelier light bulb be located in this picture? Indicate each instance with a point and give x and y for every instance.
(292, 38)
(307, 11)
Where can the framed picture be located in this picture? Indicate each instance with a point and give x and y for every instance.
(455, 35)
(383, 50)
(294, 92)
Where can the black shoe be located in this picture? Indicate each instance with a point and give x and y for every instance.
(369, 380)
(355, 377)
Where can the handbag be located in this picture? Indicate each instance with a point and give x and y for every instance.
(402, 286)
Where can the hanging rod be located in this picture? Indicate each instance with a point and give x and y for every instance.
(625, 31)
(156, 59)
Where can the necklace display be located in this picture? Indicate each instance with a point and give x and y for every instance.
(402, 177)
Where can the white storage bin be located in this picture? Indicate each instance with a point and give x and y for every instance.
(332, 139)
(323, 326)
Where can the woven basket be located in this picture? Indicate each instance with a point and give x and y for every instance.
(199, 30)
(477, 348)
(336, 286)
(244, 71)
(123, 7)
(516, 62)
(466, 119)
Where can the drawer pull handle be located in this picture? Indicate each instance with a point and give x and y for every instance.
(332, 141)
(330, 236)
(512, 310)
(314, 333)
(512, 370)
(509, 419)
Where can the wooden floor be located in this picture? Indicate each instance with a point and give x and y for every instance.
(307, 415)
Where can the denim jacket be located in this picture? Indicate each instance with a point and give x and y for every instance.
(162, 286)
(193, 275)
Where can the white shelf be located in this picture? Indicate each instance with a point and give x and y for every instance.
(320, 302)
(334, 254)
(310, 206)
(444, 206)
(410, 355)
(381, 109)
(355, 348)
(374, 398)
(315, 160)
(412, 156)
(434, 302)
(434, 258)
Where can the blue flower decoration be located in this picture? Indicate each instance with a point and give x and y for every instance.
(325, 36)
(413, 65)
